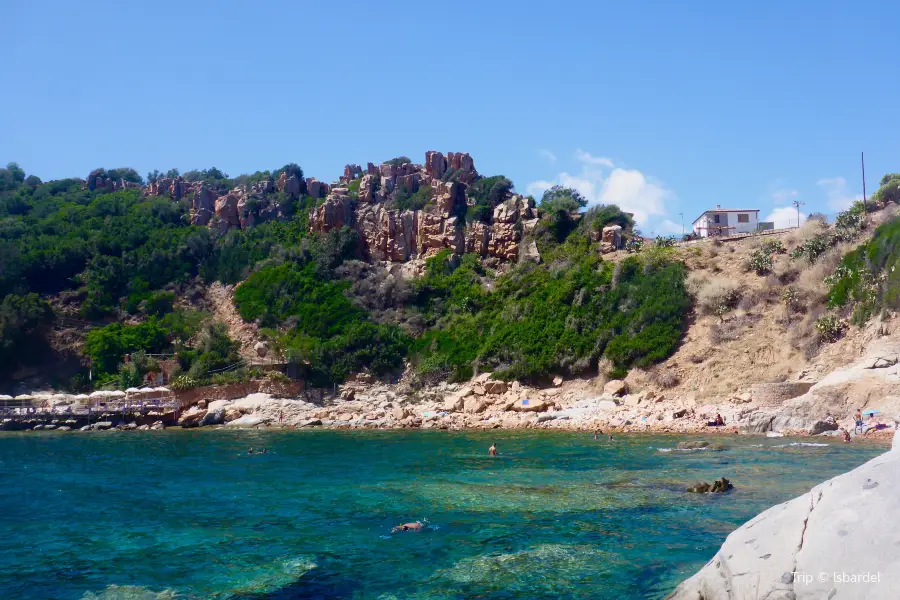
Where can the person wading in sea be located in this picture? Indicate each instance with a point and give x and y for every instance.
(417, 526)
(493, 450)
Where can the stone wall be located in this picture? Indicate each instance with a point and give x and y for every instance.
(773, 395)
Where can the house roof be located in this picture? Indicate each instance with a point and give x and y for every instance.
(721, 210)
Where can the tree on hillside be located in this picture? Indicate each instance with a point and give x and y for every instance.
(558, 205)
(560, 200)
(11, 177)
(598, 217)
(399, 160)
(889, 190)
(485, 194)
(290, 169)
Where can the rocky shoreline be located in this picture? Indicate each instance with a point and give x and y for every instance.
(792, 408)
(829, 543)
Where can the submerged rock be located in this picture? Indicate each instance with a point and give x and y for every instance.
(719, 486)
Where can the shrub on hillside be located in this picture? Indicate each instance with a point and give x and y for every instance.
(560, 316)
(830, 328)
(663, 378)
(716, 296)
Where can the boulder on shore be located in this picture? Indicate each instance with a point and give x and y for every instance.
(615, 387)
(839, 528)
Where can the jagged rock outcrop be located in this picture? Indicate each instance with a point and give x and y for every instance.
(351, 172)
(203, 205)
(227, 210)
(291, 186)
(389, 234)
(832, 542)
(98, 179)
(316, 188)
(611, 238)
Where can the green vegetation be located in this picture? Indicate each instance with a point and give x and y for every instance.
(559, 205)
(868, 278)
(561, 316)
(403, 200)
(603, 215)
(325, 333)
(399, 160)
(22, 320)
(763, 259)
(485, 194)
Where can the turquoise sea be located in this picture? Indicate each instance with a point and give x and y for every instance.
(189, 514)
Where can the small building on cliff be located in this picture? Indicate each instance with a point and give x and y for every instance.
(726, 221)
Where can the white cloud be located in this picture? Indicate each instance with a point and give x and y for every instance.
(786, 216)
(781, 196)
(547, 155)
(670, 227)
(593, 160)
(601, 182)
(838, 196)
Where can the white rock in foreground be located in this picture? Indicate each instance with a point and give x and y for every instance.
(838, 541)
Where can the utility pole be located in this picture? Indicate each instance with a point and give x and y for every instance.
(797, 204)
(681, 214)
(862, 157)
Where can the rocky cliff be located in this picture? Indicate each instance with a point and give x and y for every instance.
(370, 201)
(834, 542)
(391, 233)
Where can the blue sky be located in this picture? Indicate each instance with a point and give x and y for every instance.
(663, 107)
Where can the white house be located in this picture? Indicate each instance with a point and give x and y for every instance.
(726, 221)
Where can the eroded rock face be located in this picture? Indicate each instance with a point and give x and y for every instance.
(611, 239)
(334, 213)
(316, 188)
(227, 210)
(203, 205)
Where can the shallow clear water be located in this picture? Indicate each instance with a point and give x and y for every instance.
(556, 515)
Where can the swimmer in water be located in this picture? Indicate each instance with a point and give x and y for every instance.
(493, 450)
(610, 437)
(417, 526)
(249, 450)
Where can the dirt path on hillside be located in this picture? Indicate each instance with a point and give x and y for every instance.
(221, 298)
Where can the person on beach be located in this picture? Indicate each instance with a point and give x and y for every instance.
(858, 428)
(417, 526)
(846, 434)
(493, 450)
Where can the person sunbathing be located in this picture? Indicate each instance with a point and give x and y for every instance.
(417, 526)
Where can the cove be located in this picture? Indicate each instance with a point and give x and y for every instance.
(190, 514)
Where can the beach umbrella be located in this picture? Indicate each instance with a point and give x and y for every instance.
(5, 397)
(99, 394)
(116, 394)
(132, 390)
(871, 411)
(81, 397)
(24, 397)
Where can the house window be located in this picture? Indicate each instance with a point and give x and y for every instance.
(715, 218)
(743, 218)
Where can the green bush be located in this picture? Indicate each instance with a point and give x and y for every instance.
(868, 277)
(830, 328)
(325, 333)
(107, 345)
(761, 261)
(417, 201)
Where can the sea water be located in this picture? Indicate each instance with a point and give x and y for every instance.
(191, 514)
